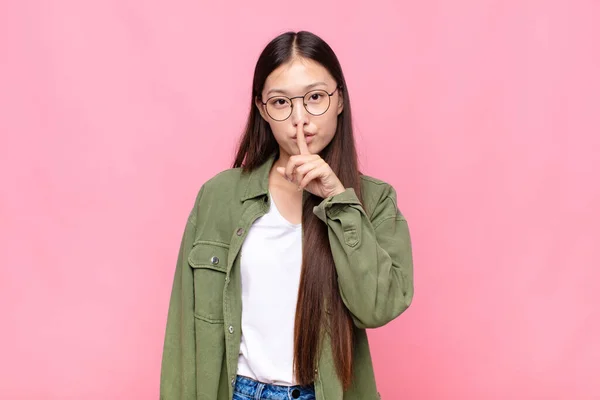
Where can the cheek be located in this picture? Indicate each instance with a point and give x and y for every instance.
(278, 131)
(328, 127)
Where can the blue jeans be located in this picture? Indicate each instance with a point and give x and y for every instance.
(249, 389)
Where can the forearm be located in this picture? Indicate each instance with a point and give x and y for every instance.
(373, 261)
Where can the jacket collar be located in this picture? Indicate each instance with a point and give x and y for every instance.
(257, 181)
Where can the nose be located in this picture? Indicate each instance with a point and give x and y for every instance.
(299, 114)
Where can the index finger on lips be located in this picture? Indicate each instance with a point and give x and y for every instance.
(302, 145)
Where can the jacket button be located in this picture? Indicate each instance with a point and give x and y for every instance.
(214, 260)
(295, 393)
(240, 231)
(230, 328)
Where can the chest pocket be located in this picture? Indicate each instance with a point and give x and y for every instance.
(209, 263)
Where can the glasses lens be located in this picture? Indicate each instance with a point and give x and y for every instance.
(279, 108)
(316, 102)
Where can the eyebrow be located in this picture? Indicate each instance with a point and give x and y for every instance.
(311, 86)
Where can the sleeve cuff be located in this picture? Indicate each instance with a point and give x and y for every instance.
(328, 205)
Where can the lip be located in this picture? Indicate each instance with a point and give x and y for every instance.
(307, 137)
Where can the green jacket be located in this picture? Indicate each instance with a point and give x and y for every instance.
(372, 255)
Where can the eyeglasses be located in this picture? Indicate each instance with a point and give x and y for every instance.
(316, 102)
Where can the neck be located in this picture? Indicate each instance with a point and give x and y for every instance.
(282, 160)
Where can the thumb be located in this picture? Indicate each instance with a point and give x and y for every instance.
(281, 171)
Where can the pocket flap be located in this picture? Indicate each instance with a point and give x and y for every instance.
(209, 255)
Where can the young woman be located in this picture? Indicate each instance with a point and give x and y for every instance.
(291, 254)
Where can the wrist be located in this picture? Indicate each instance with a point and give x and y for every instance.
(340, 189)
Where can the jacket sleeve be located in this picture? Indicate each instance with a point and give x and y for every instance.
(178, 368)
(373, 256)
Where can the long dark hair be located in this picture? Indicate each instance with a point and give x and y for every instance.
(319, 304)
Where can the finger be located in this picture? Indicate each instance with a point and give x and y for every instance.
(293, 163)
(281, 171)
(289, 168)
(301, 140)
(310, 176)
(305, 168)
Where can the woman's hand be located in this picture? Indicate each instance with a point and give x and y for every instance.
(311, 172)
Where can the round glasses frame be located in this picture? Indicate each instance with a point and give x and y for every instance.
(303, 102)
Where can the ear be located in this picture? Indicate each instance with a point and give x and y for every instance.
(340, 105)
(261, 108)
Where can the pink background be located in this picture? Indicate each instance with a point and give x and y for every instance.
(483, 114)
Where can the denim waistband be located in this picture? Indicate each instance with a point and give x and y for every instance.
(258, 390)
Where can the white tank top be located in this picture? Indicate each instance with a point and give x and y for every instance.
(271, 258)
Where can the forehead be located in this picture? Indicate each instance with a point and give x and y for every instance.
(297, 74)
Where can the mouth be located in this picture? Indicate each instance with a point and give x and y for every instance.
(307, 136)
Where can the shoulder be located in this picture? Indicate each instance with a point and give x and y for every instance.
(218, 189)
(376, 189)
(223, 181)
(378, 195)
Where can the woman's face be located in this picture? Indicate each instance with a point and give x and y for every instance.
(296, 78)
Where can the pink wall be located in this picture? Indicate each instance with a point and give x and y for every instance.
(483, 114)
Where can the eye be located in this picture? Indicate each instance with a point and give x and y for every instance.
(315, 97)
(279, 102)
